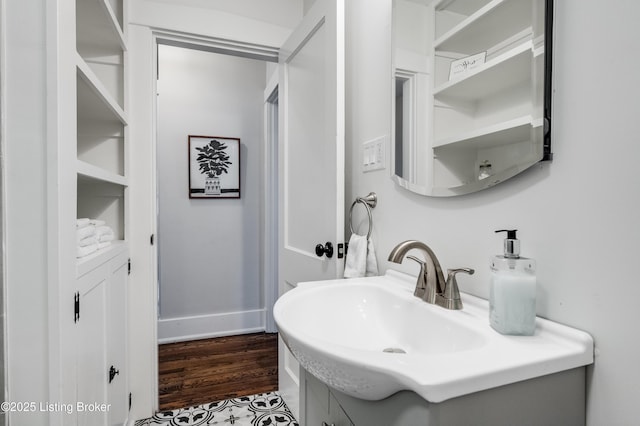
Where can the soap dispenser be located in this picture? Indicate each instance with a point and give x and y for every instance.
(512, 300)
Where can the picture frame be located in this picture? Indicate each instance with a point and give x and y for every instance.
(214, 167)
(460, 67)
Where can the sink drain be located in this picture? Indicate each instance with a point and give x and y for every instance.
(394, 350)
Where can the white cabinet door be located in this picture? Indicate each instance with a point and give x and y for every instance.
(311, 90)
(117, 388)
(101, 357)
(92, 346)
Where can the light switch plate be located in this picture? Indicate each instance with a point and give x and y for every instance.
(374, 154)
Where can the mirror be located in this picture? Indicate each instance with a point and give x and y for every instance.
(472, 92)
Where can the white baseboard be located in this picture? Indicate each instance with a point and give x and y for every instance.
(206, 326)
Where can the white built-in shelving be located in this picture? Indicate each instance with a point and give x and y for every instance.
(100, 41)
(101, 112)
(492, 112)
(100, 59)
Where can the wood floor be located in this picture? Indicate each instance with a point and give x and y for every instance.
(202, 371)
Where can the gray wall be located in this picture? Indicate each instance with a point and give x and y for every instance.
(25, 237)
(577, 216)
(208, 249)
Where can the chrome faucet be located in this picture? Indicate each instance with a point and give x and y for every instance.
(431, 285)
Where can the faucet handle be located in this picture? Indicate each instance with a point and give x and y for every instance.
(421, 285)
(421, 262)
(451, 296)
(452, 272)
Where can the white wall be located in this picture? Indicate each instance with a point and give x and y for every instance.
(577, 216)
(252, 21)
(25, 238)
(209, 256)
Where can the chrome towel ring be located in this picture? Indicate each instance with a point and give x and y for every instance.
(369, 202)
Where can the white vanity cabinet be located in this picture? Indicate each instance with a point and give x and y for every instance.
(101, 352)
(319, 406)
(555, 399)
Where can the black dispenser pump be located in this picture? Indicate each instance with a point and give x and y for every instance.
(511, 244)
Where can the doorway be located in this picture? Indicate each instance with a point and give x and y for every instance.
(217, 273)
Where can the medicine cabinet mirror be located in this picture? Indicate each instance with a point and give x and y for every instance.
(472, 92)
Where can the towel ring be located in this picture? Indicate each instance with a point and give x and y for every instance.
(369, 202)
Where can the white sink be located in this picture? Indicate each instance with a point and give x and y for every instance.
(370, 338)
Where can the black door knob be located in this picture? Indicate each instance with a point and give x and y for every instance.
(326, 249)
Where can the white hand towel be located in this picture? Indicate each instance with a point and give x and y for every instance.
(87, 231)
(104, 244)
(372, 263)
(355, 264)
(97, 222)
(361, 258)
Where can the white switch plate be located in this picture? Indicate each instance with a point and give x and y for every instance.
(374, 154)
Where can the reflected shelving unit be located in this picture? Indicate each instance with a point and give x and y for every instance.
(492, 113)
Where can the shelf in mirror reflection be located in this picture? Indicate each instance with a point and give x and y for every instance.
(503, 133)
(487, 26)
(507, 70)
(464, 188)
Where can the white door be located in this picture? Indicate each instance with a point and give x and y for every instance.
(311, 159)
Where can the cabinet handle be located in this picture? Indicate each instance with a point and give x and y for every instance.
(112, 373)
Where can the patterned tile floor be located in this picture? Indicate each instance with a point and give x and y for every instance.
(266, 409)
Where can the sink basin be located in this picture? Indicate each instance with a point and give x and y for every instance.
(370, 338)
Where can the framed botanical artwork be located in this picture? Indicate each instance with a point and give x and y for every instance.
(214, 167)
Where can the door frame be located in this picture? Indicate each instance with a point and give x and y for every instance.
(270, 201)
(269, 206)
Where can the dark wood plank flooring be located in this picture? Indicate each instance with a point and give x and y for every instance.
(202, 371)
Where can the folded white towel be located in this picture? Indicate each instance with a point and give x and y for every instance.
(361, 258)
(85, 251)
(104, 244)
(87, 231)
(81, 223)
(106, 237)
(97, 222)
(88, 241)
(104, 233)
(103, 230)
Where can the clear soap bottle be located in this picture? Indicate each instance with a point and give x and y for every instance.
(512, 300)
